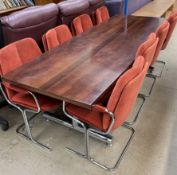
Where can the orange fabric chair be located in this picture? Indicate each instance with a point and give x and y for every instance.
(56, 36)
(82, 23)
(108, 118)
(11, 57)
(161, 33)
(102, 14)
(172, 19)
(147, 50)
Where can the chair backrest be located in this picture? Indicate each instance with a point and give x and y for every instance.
(82, 23)
(56, 36)
(172, 19)
(72, 8)
(161, 33)
(125, 93)
(31, 22)
(102, 14)
(16, 54)
(148, 48)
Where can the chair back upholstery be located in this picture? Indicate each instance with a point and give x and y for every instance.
(102, 14)
(15, 55)
(161, 33)
(82, 23)
(71, 9)
(125, 92)
(56, 36)
(148, 48)
(172, 19)
(31, 22)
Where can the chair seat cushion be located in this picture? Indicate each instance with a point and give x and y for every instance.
(27, 101)
(93, 118)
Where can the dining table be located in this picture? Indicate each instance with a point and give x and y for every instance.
(82, 70)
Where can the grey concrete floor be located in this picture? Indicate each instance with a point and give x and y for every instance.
(153, 150)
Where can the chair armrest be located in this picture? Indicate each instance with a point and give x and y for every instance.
(103, 109)
(36, 101)
(100, 108)
(20, 90)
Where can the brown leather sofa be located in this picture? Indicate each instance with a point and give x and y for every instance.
(72, 8)
(31, 22)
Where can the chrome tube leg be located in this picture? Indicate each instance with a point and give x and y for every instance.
(87, 153)
(163, 66)
(86, 146)
(154, 80)
(163, 63)
(87, 150)
(30, 137)
(27, 125)
(23, 125)
(138, 112)
(121, 155)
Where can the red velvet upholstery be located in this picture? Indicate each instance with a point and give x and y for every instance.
(82, 23)
(172, 19)
(56, 36)
(102, 14)
(120, 102)
(13, 56)
(148, 48)
(161, 33)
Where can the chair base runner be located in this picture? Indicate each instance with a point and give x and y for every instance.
(87, 156)
(138, 112)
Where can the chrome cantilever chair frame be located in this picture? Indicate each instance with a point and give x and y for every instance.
(153, 83)
(25, 118)
(89, 131)
(154, 76)
(151, 69)
(133, 121)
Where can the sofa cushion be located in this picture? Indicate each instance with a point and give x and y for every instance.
(71, 9)
(94, 4)
(31, 22)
